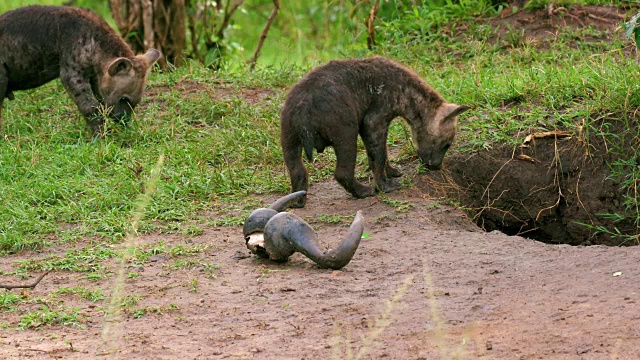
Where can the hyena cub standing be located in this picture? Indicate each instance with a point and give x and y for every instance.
(97, 68)
(335, 102)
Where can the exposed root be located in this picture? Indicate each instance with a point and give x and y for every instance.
(556, 180)
(486, 190)
(29, 286)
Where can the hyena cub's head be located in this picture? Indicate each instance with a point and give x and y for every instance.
(122, 83)
(436, 133)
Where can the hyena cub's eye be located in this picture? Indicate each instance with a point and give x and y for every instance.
(125, 100)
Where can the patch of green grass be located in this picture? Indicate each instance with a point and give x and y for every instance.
(434, 204)
(142, 253)
(333, 219)
(8, 300)
(399, 205)
(88, 259)
(46, 317)
(65, 187)
(93, 296)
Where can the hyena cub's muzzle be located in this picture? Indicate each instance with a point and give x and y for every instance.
(122, 110)
(433, 159)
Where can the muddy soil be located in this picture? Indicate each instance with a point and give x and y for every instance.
(428, 284)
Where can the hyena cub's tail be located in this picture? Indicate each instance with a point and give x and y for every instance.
(306, 135)
(296, 130)
(307, 144)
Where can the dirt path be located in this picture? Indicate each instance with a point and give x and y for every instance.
(447, 289)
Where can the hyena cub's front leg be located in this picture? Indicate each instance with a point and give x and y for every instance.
(375, 142)
(345, 169)
(79, 89)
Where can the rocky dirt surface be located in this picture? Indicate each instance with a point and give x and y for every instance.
(427, 285)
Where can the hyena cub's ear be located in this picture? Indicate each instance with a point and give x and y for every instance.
(119, 66)
(448, 111)
(123, 65)
(150, 57)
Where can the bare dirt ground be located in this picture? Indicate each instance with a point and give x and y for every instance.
(427, 285)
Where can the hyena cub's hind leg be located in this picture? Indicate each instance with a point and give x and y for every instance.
(292, 153)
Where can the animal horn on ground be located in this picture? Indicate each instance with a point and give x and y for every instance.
(283, 203)
(277, 235)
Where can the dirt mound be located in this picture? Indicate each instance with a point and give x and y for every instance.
(543, 25)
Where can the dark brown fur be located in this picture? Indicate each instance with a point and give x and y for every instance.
(96, 67)
(342, 99)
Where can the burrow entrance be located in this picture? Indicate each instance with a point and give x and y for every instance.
(553, 188)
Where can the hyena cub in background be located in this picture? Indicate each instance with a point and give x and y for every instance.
(97, 68)
(335, 102)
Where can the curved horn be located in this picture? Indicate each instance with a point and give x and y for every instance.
(282, 203)
(256, 221)
(253, 229)
(287, 233)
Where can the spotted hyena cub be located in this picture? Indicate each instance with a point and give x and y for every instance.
(97, 68)
(338, 101)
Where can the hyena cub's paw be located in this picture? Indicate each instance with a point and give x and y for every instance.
(388, 185)
(392, 171)
(299, 203)
(363, 191)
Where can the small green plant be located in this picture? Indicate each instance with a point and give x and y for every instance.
(154, 309)
(265, 272)
(192, 230)
(399, 205)
(129, 300)
(193, 285)
(434, 204)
